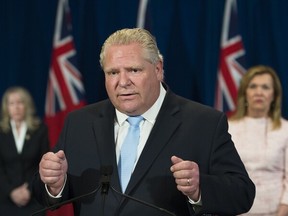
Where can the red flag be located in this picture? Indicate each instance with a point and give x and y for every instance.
(65, 91)
(231, 61)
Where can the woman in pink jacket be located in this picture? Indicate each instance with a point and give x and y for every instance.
(260, 135)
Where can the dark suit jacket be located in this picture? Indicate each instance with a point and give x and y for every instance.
(16, 169)
(183, 128)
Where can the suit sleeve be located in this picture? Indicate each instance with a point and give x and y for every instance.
(38, 187)
(227, 187)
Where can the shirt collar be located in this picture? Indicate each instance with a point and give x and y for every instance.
(13, 124)
(151, 114)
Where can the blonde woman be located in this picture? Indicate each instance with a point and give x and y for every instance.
(260, 135)
(23, 141)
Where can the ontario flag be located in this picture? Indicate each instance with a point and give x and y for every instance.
(65, 91)
(231, 61)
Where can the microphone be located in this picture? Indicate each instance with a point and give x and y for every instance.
(106, 172)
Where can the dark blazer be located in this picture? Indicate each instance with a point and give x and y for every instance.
(16, 169)
(183, 128)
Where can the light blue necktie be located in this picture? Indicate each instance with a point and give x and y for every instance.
(129, 150)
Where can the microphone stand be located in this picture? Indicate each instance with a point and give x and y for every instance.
(143, 202)
(67, 201)
(105, 183)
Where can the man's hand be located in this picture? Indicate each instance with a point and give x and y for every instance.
(186, 174)
(53, 168)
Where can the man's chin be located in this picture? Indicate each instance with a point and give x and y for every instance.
(129, 110)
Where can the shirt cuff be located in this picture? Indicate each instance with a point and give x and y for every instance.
(197, 206)
(198, 202)
(59, 195)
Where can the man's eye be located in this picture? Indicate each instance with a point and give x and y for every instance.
(111, 73)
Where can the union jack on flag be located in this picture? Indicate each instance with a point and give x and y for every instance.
(231, 61)
(65, 91)
(65, 88)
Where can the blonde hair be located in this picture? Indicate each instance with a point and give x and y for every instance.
(31, 120)
(135, 35)
(275, 107)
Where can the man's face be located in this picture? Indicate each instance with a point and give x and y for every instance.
(132, 82)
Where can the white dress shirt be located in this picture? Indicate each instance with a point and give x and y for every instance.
(121, 126)
(19, 136)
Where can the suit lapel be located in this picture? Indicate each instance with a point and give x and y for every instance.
(103, 127)
(165, 126)
(27, 145)
(12, 145)
(11, 142)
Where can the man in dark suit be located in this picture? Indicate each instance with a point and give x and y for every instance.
(186, 161)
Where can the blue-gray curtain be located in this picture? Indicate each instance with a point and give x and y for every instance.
(188, 34)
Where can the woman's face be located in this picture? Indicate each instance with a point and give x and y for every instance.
(16, 107)
(260, 95)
